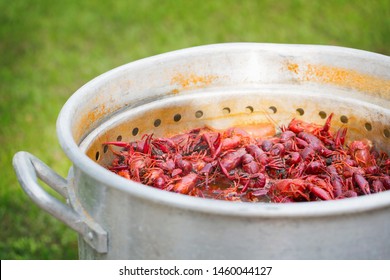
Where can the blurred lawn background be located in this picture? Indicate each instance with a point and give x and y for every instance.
(48, 49)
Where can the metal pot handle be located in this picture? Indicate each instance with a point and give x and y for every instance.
(27, 168)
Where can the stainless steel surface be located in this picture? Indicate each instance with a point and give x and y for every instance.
(225, 85)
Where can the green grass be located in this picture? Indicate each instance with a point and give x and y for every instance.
(48, 49)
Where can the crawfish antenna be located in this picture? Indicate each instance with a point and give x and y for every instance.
(269, 117)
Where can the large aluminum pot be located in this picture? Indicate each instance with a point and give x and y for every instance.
(219, 85)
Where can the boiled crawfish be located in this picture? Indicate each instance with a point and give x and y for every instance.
(303, 162)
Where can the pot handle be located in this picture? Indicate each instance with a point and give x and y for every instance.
(28, 168)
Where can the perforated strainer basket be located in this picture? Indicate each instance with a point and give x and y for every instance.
(220, 86)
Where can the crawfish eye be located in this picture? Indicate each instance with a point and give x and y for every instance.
(328, 161)
(282, 173)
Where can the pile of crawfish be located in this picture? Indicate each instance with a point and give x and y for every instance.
(303, 162)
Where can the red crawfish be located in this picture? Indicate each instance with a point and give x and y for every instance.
(185, 184)
(287, 135)
(315, 167)
(287, 190)
(298, 126)
(288, 138)
(253, 177)
(249, 175)
(207, 172)
(257, 153)
(233, 138)
(163, 146)
(214, 143)
(276, 167)
(296, 171)
(377, 186)
(347, 194)
(361, 182)
(339, 138)
(254, 181)
(155, 177)
(183, 143)
(230, 142)
(249, 165)
(335, 180)
(166, 164)
(321, 131)
(293, 158)
(231, 160)
(142, 146)
(266, 145)
(360, 151)
(277, 149)
(137, 164)
(300, 190)
(184, 165)
(320, 188)
(385, 179)
(315, 143)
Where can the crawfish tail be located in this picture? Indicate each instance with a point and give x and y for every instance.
(321, 193)
(186, 183)
(312, 140)
(232, 159)
(361, 182)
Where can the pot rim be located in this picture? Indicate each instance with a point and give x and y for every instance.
(104, 176)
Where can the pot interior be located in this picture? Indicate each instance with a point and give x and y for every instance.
(222, 109)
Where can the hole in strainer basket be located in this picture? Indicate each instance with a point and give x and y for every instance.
(135, 131)
(97, 156)
(226, 110)
(177, 117)
(300, 111)
(157, 123)
(105, 148)
(273, 109)
(119, 138)
(344, 119)
(368, 126)
(249, 109)
(386, 133)
(199, 114)
(322, 114)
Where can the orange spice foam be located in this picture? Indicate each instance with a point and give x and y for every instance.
(187, 81)
(341, 77)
